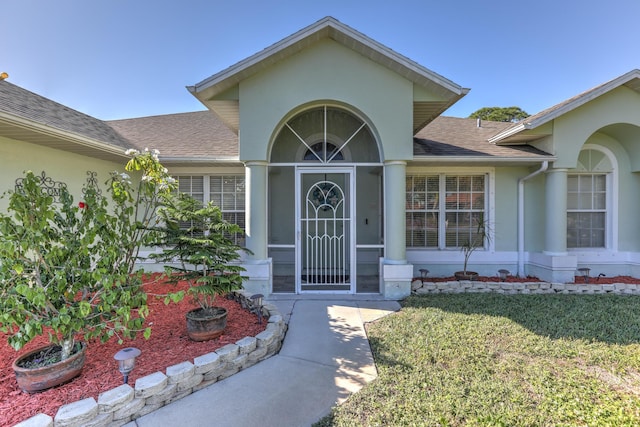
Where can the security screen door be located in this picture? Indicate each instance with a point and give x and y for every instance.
(325, 249)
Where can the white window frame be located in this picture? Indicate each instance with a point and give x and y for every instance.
(489, 203)
(612, 184)
(206, 189)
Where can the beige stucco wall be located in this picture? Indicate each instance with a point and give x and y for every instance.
(16, 157)
(335, 74)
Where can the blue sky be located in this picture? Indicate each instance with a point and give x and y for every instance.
(131, 58)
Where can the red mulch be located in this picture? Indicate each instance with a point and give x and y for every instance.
(168, 345)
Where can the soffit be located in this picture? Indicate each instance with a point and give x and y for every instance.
(447, 91)
(53, 138)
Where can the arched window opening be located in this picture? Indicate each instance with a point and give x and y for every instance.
(323, 151)
(588, 204)
(325, 134)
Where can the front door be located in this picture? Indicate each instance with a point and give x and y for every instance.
(325, 236)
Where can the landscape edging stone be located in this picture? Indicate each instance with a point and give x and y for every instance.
(165, 392)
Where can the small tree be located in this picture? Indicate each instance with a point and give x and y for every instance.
(476, 240)
(500, 114)
(198, 238)
(68, 268)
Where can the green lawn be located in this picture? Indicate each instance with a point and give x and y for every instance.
(503, 360)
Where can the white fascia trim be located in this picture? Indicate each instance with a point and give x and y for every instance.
(59, 133)
(509, 132)
(484, 159)
(579, 101)
(330, 23)
(199, 160)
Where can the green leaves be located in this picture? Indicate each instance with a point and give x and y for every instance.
(207, 256)
(70, 264)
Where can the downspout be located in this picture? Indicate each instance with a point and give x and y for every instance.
(543, 167)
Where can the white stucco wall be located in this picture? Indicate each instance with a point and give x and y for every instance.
(16, 157)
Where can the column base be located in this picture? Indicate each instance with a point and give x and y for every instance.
(555, 268)
(395, 279)
(259, 273)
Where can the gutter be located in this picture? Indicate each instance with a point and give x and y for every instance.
(485, 160)
(65, 135)
(543, 167)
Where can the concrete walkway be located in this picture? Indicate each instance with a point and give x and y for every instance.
(325, 358)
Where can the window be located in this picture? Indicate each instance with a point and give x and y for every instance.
(224, 191)
(586, 210)
(323, 150)
(587, 200)
(443, 211)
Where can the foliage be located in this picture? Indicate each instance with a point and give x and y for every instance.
(500, 114)
(502, 360)
(198, 238)
(68, 268)
(475, 240)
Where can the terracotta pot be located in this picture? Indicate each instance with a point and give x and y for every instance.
(33, 380)
(469, 275)
(203, 325)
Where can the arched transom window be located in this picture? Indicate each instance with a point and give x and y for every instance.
(325, 134)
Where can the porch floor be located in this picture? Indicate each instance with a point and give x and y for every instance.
(364, 285)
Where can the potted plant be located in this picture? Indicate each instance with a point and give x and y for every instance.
(198, 238)
(476, 240)
(67, 269)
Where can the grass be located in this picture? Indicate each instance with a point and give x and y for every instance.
(502, 360)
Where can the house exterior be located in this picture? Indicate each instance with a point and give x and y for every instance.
(332, 153)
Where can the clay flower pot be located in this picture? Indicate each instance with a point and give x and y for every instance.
(206, 324)
(33, 380)
(469, 275)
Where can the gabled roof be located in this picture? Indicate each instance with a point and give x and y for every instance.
(452, 140)
(332, 29)
(29, 117)
(516, 133)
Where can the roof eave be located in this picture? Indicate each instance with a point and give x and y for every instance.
(509, 132)
(484, 160)
(44, 129)
(326, 27)
(170, 160)
(569, 106)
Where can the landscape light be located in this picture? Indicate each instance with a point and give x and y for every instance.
(126, 361)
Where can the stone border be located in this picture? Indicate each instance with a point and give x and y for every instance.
(123, 404)
(420, 288)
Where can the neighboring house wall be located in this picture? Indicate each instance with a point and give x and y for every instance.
(18, 157)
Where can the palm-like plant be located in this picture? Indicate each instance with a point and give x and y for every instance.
(198, 239)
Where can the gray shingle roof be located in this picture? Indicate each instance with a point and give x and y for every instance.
(22, 103)
(456, 137)
(203, 135)
(191, 135)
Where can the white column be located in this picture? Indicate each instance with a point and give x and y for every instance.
(394, 209)
(556, 212)
(396, 273)
(256, 209)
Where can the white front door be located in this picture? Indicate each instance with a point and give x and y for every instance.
(325, 244)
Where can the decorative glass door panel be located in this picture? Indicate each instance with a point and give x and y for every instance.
(325, 232)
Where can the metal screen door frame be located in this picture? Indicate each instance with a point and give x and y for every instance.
(302, 221)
